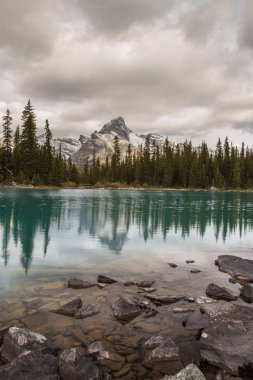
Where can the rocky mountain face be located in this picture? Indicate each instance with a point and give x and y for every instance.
(102, 142)
(69, 146)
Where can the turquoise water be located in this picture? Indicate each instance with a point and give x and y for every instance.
(122, 229)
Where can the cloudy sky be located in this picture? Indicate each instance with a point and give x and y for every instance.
(182, 68)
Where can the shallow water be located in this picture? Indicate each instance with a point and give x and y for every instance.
(47, 236)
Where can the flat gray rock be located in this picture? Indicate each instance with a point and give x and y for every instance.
(218, 293)
(241, 270)
(70, 309)
(163, 300)
(17, 341)
(31, 366)
(76, 283)
(86, 311)
(125, 309)
(227, 341)
(74, 366)
(105, 280)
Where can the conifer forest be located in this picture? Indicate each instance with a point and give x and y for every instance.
(24, 161)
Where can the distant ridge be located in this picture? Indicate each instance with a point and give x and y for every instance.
(102, 142)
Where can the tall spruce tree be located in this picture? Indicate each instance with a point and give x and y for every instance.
(29, 145)
(7, 146)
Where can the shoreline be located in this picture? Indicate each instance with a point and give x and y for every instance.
(141, 188)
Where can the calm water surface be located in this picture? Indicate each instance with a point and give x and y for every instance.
(46, 236)
(123, 230)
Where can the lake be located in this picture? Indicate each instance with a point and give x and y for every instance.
(49, 235)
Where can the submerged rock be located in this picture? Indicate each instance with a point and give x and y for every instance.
(17, 341)
(74, 366)
(190, 261)
(223, 375)
(167, 350)
(105, 280)
(145, 284)
(86, 311)
(100, 285)
(178, 310)
(227, 341)
(172, 265)
(70, 309)
(125, 309)
(153, 342)
(76, 283)
(165, 358)
(129, 283)
(31, 366)
(241, 270)
(147, 290)
(165, 300)
(95, 348)
(190, 372)
(110, 360)
(218, 293)
(246, 293)
(196, 271)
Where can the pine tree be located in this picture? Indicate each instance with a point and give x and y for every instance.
(7, 146)
(29, 146)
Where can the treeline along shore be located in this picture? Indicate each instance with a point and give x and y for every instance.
(25, 162)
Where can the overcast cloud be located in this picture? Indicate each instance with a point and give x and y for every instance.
(180, 68)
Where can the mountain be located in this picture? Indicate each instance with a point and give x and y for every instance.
(102, 142)
(69, 146)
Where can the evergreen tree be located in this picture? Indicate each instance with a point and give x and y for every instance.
(29, 146)
(7, 146)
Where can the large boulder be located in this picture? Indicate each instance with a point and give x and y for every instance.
(73, 366)
(218, 293)
(17, 341)
(125, 309)
(241, 270)
(31, 366)
(227, 341)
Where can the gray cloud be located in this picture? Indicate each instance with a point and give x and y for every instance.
(116, 16)
(180, 68)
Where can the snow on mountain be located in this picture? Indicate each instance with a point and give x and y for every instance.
(68, 146)
(102, 142)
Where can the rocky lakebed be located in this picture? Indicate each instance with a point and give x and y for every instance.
(110, 327)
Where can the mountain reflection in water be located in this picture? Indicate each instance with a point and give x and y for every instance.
(108, 215)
